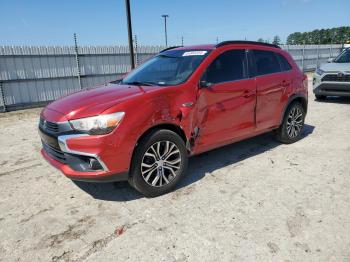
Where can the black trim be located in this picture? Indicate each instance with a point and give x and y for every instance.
(103, 179)
(279, 62)
(240, 42)
(246, 64)
(252, 64)
(169, 48)
(49, 139)
(56, 129)
(55, 153)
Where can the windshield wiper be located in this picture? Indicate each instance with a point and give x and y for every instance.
(138, 83)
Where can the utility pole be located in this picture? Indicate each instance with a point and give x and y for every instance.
(131, 48)
(165, 29)
(182, 40)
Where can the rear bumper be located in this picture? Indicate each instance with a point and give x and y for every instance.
(96, 176)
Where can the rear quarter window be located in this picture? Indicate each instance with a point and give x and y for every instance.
(284, 63)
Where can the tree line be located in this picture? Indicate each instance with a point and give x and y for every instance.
(276, 40)
(337, 35)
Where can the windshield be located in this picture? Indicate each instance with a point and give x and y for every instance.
(344, 57)
(171, 67)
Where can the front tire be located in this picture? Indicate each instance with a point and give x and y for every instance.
(292, 125)
(159, 162)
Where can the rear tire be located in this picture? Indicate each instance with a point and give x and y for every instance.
(320, 97)
(292, 125)
(159, 162)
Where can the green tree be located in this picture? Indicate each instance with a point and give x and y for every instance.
(276, 40)
(261, 40)
(337, 35)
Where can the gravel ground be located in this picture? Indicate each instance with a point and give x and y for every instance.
(256, 200)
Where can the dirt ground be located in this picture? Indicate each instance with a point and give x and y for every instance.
(256, 200)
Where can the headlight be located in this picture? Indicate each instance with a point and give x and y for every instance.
(98, 125)
(319, 71)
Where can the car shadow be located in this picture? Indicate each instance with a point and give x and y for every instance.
(335, 100)
(199, 166)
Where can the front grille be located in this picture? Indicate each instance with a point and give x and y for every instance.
(54, 153)
(336, 78)
(54, 128)
(49, 126)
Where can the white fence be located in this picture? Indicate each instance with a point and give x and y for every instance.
(34, 75)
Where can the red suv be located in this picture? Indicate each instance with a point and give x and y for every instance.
(182, 102)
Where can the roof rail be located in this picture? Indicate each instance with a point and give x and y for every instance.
(169, 48)
(237, 42)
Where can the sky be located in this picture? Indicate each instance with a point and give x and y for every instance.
(49, 22)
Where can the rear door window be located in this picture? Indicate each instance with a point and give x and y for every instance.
(266, 62)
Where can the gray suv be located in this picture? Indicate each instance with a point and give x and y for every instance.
(333, 79)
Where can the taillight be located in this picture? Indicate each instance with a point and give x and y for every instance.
(305, 81)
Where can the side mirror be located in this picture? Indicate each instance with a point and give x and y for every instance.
(330, 60)
(204, 84)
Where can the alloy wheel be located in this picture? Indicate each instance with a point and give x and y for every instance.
(160, 163)
(294, 122)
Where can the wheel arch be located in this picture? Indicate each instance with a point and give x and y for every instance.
(295, 98)
(165, 126)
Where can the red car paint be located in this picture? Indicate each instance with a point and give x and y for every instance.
(224, 113)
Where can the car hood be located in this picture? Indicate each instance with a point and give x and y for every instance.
(336, 67)
(94, 101)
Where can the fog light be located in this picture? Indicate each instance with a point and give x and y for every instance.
(94, 164)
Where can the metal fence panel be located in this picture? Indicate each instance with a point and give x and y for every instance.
(309, 57)
(33, 75)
